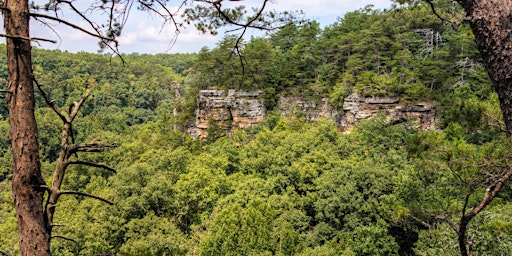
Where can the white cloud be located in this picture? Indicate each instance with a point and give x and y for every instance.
(329, 7)
(152, 37)
(325, 11)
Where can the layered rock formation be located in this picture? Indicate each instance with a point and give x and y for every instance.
(357, 109)
(229, 110)
(240, 109)
(311, 109)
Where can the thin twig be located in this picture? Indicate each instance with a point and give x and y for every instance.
(435, 12)
(449, 222)
(4, 253)
(78, 162)
(28, 38)
(64, 237)
(218, 7)
(97, 35)
(72, 192)
(50, 103)
(90, 147)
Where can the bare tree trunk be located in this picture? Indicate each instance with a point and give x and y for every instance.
(27, 181)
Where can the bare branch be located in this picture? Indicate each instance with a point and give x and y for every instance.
(218, 5)
(44, 187)
(97, 34)
(78, 162)
(449, 222)
(77, 106)
(111, 19)
(167, 16)
(64, 237)
(4, 253)
(465, 205)
(420, 221)
(90, 147)
(50, 103)
(29, 39)
(79, 13)
(72, 192)
(490, 194)
(170, 14)
(105, 41)
(435, 12)
(49, 26)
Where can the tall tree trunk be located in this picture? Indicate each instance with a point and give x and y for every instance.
(27, 182)
(492, 25)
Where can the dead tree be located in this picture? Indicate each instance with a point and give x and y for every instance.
(69, 156)
(28, 185)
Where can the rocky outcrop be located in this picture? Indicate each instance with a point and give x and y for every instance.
(229, 110)
(311, 109)
(240, 109)
(357, 109)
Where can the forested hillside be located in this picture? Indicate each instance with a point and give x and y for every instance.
(284, 186)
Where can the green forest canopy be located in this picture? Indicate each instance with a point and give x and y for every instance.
(284, 187)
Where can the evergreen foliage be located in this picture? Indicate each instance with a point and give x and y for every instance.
(284, 187)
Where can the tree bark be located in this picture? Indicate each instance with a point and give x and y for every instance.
(27, 181)
(491, 24)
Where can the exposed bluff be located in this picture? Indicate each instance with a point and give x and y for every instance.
(240, 109)
(229, 110)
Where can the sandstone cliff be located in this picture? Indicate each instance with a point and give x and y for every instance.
(230, 110)
(240, 109)
(357, 109)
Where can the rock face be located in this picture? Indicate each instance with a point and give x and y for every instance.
(357, 109)
(311, 109)
(231, 110)
(240, 109)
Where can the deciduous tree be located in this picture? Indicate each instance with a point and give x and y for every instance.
(28, 184)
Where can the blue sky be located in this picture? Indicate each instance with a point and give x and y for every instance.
(144, 33)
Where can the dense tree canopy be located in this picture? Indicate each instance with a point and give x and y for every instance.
(285, 186)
